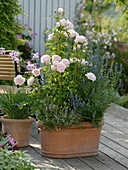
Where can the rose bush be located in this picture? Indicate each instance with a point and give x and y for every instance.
(76, 85)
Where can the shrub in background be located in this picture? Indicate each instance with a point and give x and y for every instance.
(10, 26)
(105, 27)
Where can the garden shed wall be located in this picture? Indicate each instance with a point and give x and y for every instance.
(37, 17)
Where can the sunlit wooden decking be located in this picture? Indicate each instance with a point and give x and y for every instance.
(113, 149)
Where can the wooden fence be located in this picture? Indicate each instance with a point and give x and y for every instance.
(37, 17)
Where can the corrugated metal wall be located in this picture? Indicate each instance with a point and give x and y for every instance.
(38, 12)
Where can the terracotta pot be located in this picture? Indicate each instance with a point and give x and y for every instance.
(20, 129)
(71, 141)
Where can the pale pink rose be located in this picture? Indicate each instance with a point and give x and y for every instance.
(36, 72)
(91, 76)
(53, 67)
(73, 33)
(66, 62)
(19, 80)
(61, 67)
(81, 39)
(60, 10)
(55, 63)
(45, 59)
(56, 58)
(63, 22)
(70, 25)
(57, 24)
(30, 81)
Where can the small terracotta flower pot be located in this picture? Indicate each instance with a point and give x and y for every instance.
(71, 141)
(20, 129)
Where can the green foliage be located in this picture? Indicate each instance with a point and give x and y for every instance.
(69, 96)
(124, 4)
(26, 49)
(16, 105)
(6, 142)
(121, 100)
(55, 116)
(9, 24)
(17, 160)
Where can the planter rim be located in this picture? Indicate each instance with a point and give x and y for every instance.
(77, 126)
(4, 119)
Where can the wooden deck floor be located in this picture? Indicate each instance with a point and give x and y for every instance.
(113, 149)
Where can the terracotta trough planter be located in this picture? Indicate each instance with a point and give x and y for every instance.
(20, 129)
(71, 142)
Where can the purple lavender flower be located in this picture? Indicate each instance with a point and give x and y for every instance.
(82, 6)
(14, 55)
(12, 141)
(30, 66)
(36, 55)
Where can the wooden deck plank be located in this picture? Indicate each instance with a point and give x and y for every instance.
(94, 163)
(78, 164)
(108, 161)
(37, 159)
(114, 155)
(115, 135)
(114, 146)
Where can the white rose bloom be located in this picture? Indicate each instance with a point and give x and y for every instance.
(30, 81)
(53, 67)
(51, 36)
(57, 24)
(19, 80)
(45, 59)
(55, 63)
(61, 67)
(74, 59)
(83, 62)
(73, 33)
(56, 58)
(36, 72)
(91, 76)
(81, 39)
(66, 62)
(63, 22)
(70, 25)
(78, 46)
(60, 10)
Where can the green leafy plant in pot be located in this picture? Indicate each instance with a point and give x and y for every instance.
(16, 121)
(77, 87)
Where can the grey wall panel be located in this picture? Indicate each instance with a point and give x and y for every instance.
(38, 17)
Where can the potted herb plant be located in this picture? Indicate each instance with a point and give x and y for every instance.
(16, 121)
(77, 89)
